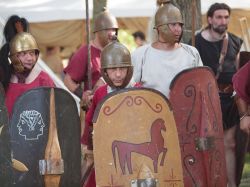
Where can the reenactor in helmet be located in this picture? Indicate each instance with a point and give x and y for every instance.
(25, 75)
(105, 26)
(117, 71)
(156, 64)
(14, 25)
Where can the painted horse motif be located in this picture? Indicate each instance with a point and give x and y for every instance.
(150, 149)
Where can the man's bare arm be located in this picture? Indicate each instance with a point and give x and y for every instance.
(71, 84)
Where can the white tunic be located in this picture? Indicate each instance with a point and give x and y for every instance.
(156, 68)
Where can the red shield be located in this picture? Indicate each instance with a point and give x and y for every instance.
(196, 105)
(136, 141)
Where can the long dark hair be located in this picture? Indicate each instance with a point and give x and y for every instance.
(5, 68)
(9, 32)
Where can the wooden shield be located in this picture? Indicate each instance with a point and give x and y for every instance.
(45, 137)
(196, 105)
(135, 137)
(5, 156)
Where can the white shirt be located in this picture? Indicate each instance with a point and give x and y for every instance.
(156, 68)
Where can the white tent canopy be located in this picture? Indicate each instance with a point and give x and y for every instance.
(42, 10)
(54, 10)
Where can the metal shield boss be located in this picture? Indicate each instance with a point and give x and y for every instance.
(196, 105)
(45, 134)
(5, 153)
(136, 141)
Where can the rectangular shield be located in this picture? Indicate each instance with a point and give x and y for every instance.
(196, 105)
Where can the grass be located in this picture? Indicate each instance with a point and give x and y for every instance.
(245, 180)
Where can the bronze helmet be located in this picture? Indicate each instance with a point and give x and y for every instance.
(166, 14)
(105, 20)
(116, 55)
(21, 42)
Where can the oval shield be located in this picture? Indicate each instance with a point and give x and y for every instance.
(45, 137)
(196, 105)
(136, 141)
(5, 156)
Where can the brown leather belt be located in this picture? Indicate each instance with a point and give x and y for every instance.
(225, 88)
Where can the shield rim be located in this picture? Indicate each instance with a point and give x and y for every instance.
(98, 108)
(173, 82)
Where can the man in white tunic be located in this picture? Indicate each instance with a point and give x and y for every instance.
(156, 64)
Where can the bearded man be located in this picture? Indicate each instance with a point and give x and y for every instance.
(219, 50)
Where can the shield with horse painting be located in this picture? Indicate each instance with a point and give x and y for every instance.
(136, 141)
(196, 105)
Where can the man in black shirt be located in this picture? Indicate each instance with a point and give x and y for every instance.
(219, 50)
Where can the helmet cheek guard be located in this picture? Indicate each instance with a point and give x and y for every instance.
(17, 64)
(22, 42)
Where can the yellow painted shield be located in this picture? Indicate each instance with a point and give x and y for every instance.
(135, 138)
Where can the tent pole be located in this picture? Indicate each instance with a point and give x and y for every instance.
(88, 44)
(87, 167)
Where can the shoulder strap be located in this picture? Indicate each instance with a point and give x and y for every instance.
(222, 55)
(142, 64)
